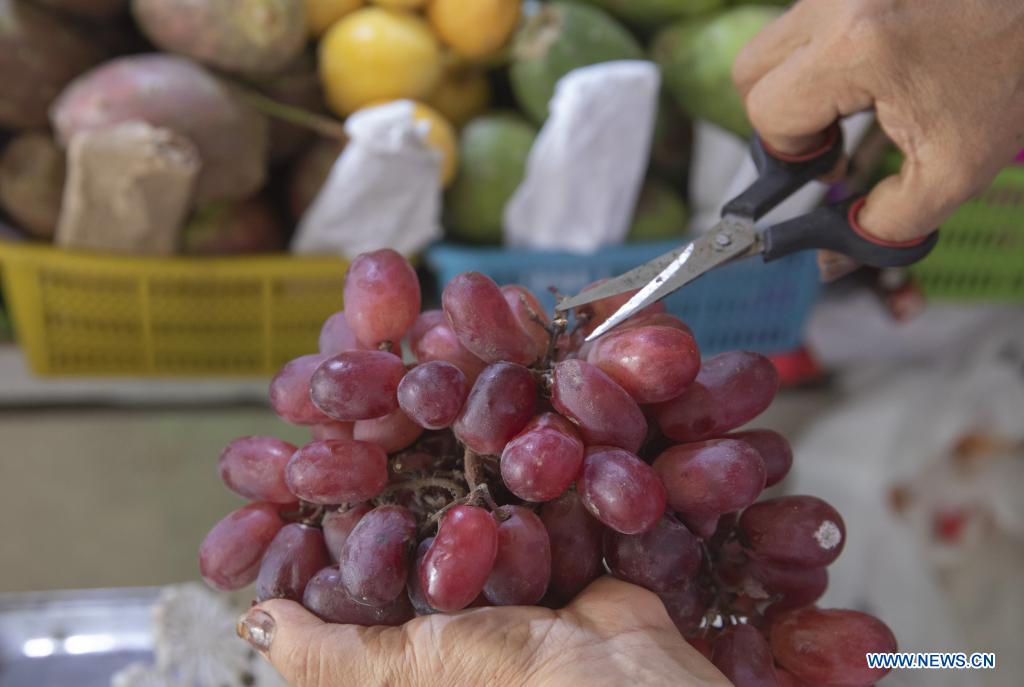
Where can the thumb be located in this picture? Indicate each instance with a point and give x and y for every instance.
(311, 653)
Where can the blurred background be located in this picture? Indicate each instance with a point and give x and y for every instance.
(181, 184)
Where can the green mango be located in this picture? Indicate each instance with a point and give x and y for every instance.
(493, 150)
(696, 59)
(560, 37)
(660, 213)
(648, 13)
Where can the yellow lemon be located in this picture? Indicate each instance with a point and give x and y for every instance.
(320, 14)
(462, 94)
(442, 137)
(403, 4)
(378, 54)
(474, 28)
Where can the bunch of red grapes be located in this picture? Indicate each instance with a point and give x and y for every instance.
(512, 464)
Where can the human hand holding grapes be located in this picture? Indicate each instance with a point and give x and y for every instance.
(499, 477)
(613, 633)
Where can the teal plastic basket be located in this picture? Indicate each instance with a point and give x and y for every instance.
(749, 305)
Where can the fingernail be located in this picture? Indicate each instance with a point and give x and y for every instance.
(257, 628)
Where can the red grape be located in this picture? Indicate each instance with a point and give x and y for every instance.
(375, 561)
(730, 390)
(502, 401)
(458, 562)
(685, 606)
(336, 471)
(827, 646)
(620, 490)
(593, 314)
(392, 432)
(485, 324)
(230, 555)
(553, 421)
(253, 467)
(575, 546)
(432, 394)
(660, 559)
(711, 477)
(357, 385)
(413, 588)
(331, 430)
(336, 336)
(605, 413)
(541, 462)
(293, 557)
(289, 391)
(440, 343)
(327, 598)
(338, 525)
(427, 320)
(382, 297)
(652, 364)
(787, 679)
(522, 568)
(655, 319)
(774, 449)
(743, 656)
(798, 586)
(528, 310)
(702, 525)
(796, 530)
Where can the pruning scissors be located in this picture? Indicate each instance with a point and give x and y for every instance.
(829, 227)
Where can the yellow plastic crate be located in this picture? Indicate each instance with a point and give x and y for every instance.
(84, 314)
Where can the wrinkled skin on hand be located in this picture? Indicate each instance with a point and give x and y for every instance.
(613, 633)
(945, 79)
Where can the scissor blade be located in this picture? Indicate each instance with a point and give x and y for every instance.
(629, 281)
(731, 238)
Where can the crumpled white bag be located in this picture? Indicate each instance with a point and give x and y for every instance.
(384, 190)
(901, 432)
(588, 163)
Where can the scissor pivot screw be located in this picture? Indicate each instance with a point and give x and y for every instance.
(722, 240)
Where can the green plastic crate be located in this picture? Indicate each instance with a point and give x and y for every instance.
(980, 253)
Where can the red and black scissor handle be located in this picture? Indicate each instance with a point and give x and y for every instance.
(830, 227)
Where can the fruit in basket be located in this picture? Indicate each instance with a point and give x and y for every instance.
(475, 30)
(245, 37)
(229, 227)
(376, 54)
(321, 14)
(175, 93)
(504, 501)
(660, 213)
(649, 13)
(560, 37)
(40, 52)
(462, 93)
(31, 183)
(696, 59)
(88, 8)
(493, 150)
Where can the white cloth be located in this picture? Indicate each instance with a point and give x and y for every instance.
(384, 190)
(588, 163)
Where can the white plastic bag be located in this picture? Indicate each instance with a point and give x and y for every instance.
(586, 168)
(384, 190)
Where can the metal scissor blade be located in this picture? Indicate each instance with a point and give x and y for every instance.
(730, 239)
(636, 278)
